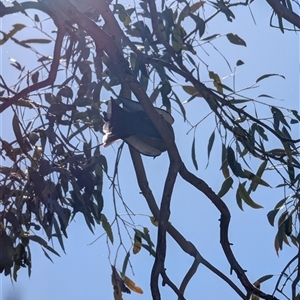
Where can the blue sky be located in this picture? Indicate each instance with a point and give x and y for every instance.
(84, 272)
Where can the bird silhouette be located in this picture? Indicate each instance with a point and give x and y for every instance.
(131, 124)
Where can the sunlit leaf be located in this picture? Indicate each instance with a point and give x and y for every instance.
(106, 226)
(132, 285)
(216, 81)
(177, 37)
(137, 243)
(154, 221)
(255, 179)
(147, 237)
(246, 197)
(191, 90)
(118, 284)
(227, 184)
(264, 278)
(194, 7)
(184, 13)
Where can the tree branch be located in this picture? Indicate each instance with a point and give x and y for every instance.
(185, 245)
(224, 225)
(158, 266)
(8, 10)
(284, 12)
(53, 69)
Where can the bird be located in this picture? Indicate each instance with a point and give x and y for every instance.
(131, 124)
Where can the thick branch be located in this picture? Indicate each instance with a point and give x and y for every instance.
(185, 245)
(284, 12)
(224, 225)
(158, 266)
(106, 43)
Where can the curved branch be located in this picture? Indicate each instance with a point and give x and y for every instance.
(185, 245)
(283, 271)
(284, 12)
(105, 43)
(205, 92)
(8, 10)
(188, 276)
(53, 69)
(297, 279)
(164, 214)
(208, 94)
(224, 225)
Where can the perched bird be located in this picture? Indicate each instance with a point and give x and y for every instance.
(132, 125)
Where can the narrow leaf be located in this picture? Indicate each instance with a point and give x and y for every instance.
(149, 249)
(234, 165)
(125, 263)
(36, 41)
(209, 146)
(47, 255)
(211, 37)
(132, 285)
(43, 243)
(191, 90)
(224, 166)
(246, 197)
(271, 216)
(239, 200)
(227, 184)
(106, 226)
(194, 155)
(264, 278)
(137, 244)
(268, 75)
(154, 221)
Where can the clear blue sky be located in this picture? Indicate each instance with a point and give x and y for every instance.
(84, 272)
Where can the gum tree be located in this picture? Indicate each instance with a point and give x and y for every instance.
(53, 166)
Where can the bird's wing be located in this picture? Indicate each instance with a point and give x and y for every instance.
(141, 146)
(134, 106)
